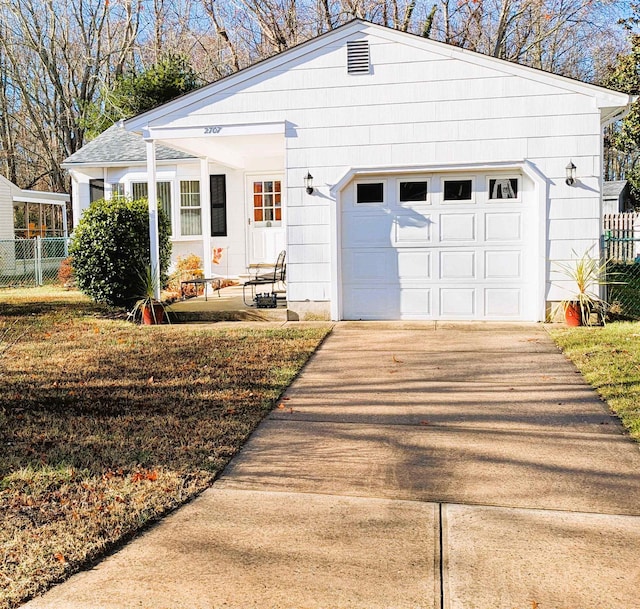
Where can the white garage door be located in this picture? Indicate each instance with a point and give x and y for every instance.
(438, 247)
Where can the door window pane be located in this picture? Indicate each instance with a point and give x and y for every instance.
(504, 188)
(414, 192)
(370, 192)
(458, 190)
(267, 201)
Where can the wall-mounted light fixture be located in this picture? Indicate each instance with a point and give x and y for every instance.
(308, 183)
(571, 174)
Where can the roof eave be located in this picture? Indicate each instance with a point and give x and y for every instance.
(113, 164)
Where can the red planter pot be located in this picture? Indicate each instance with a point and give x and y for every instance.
(153, 315)
(573, 314)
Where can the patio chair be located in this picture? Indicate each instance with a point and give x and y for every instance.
(273, 278)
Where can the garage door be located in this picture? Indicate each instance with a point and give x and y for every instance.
(437, 247)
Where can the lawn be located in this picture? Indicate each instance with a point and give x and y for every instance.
(609, 358)
(105, 426)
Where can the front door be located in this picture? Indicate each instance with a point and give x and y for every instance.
(266, 234)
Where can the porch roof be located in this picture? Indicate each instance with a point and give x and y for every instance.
(116, 145)
(236, 146)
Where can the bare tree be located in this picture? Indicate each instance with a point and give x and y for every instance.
(554, 35)
(59, 59)
(56, 55)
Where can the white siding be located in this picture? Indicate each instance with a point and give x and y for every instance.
(6, 210)
(423, 104)
(234, 260)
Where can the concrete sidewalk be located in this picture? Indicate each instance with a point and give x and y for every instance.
(411, 465)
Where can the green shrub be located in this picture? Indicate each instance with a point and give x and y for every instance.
(110, 249)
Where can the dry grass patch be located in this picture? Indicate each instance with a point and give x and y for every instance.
(609, 359)
(106, 426)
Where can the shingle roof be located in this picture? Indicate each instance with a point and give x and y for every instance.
(116, 145)
(612, 190)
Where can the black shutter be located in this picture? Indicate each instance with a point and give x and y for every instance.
(218, 187)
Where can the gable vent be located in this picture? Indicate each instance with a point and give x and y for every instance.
(358, 57)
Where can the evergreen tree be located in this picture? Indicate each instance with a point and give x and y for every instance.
(134, 93)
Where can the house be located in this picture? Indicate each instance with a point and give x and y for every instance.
(616, 197)
(406, 178)
(26, 215)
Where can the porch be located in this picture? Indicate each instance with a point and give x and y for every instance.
(224, 305)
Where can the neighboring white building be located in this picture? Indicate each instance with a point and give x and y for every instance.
(24, 216)
(616, 197)
(439, 175)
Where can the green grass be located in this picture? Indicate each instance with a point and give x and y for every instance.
(106, 426)
(609, 359)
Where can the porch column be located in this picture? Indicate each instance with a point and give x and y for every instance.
(205, 206)
(153, 215)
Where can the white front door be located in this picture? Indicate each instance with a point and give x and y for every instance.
(265, 213)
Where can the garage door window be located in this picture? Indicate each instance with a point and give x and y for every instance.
(415, 192)
(370, 193)
(458, 190)
(503, 188)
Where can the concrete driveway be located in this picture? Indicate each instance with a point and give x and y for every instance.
(411, 465)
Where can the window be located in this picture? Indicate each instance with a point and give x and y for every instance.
(96, 190)
(458, 190)
(218, 187)
(503, 188)
(139, 190)
(117, 190)
(370, 192)
(414, 192)
(267, 202)
(31, 220)
(164, 199)
(190, 211)
(34, 215)
(20, 220)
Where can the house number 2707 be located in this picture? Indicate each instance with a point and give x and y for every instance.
(210, 130)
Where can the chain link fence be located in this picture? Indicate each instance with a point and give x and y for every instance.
(31, 262)
(622, 256)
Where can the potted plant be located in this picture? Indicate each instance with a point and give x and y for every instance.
(151, 311)
(587, 274)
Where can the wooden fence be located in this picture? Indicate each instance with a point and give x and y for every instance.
(621, 240)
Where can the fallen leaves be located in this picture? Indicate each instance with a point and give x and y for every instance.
(139, 476)
(90, 398)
